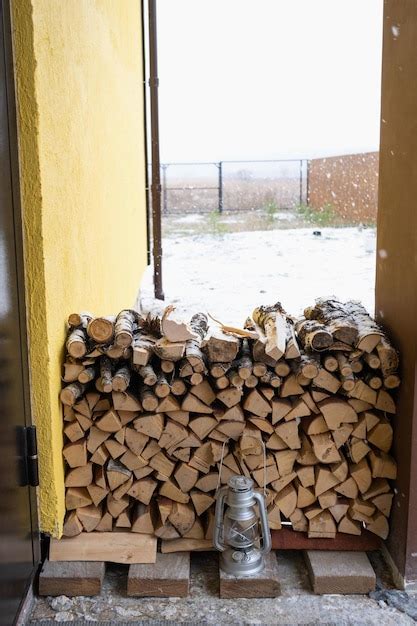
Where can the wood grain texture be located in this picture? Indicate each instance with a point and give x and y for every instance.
(168, 577)
(115, 547)
(71, 578)
(263, 585)
(337, 572)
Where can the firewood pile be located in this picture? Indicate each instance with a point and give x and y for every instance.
(154, 407)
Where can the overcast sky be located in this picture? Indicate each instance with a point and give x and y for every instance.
(266, 79)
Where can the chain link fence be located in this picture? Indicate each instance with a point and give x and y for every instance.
(233, 186)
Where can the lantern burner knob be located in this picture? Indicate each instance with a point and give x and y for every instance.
(240, 483)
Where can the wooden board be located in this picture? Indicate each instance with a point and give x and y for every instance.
(115, 547)
(186, 545)
(287, 539)
(336, 572)
(263, 585)
(71, 579)
(168, 577)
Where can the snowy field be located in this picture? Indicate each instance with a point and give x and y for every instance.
(229, 274)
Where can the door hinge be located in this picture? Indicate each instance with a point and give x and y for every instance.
(29, 457)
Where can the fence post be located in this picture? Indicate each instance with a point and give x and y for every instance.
(301, 182)
(220, 166)
(164, 168)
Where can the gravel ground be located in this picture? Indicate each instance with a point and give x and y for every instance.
(296, 605)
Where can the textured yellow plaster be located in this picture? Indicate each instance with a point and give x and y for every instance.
(80, 113)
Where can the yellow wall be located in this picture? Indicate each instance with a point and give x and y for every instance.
(80, 112)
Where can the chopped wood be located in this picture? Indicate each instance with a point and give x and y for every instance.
(349, 526)
(182, 517)
(169, 351)
(313, 335)
(89, 517)
(73, 431)
(71, 393)
(110, 422)
(142, 349)
(330, 363)
(382, 465)
(76, 344)
(115, 448)
(272, 321)
(220, 347)
(173, 329)
(327, 381)
(324, 448)
(286, 500)
(150, 416)
(143, 520)
(362, 475)
(385, 402)
(76, 497)
(322, 525)
(291, 387)
(192, 404)
(72, 525)
(169, 490)
(193, 353)
(79, 476)
(75, 453)
(379, 526)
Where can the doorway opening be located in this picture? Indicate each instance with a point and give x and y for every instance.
(269, 152)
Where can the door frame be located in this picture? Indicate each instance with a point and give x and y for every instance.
(6, 27)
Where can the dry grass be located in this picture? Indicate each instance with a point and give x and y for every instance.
(195, 195)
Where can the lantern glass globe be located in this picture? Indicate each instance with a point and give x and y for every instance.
(241, 534)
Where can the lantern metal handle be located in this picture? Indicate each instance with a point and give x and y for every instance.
(266, 533)
(218, 519)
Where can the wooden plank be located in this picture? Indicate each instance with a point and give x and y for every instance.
(287, 539)
(337, 572)
(71, 578)
(115, 547)
(263, 585)
(168, 577)
(186, 545)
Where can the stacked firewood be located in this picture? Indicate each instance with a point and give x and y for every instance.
(158, 413)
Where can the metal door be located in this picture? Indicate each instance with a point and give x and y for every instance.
(18, 549)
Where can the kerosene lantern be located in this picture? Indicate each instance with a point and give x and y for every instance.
(241, 533)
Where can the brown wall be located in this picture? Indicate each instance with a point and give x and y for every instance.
(349, 184)
(396, 278)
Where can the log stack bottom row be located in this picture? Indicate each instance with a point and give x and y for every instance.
(154, 406)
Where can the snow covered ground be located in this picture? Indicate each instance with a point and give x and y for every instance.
(229, 274)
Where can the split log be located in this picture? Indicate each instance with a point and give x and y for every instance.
(142, 349)
(272, 321)
(220, 347)
(173, 329)
(146, 457)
